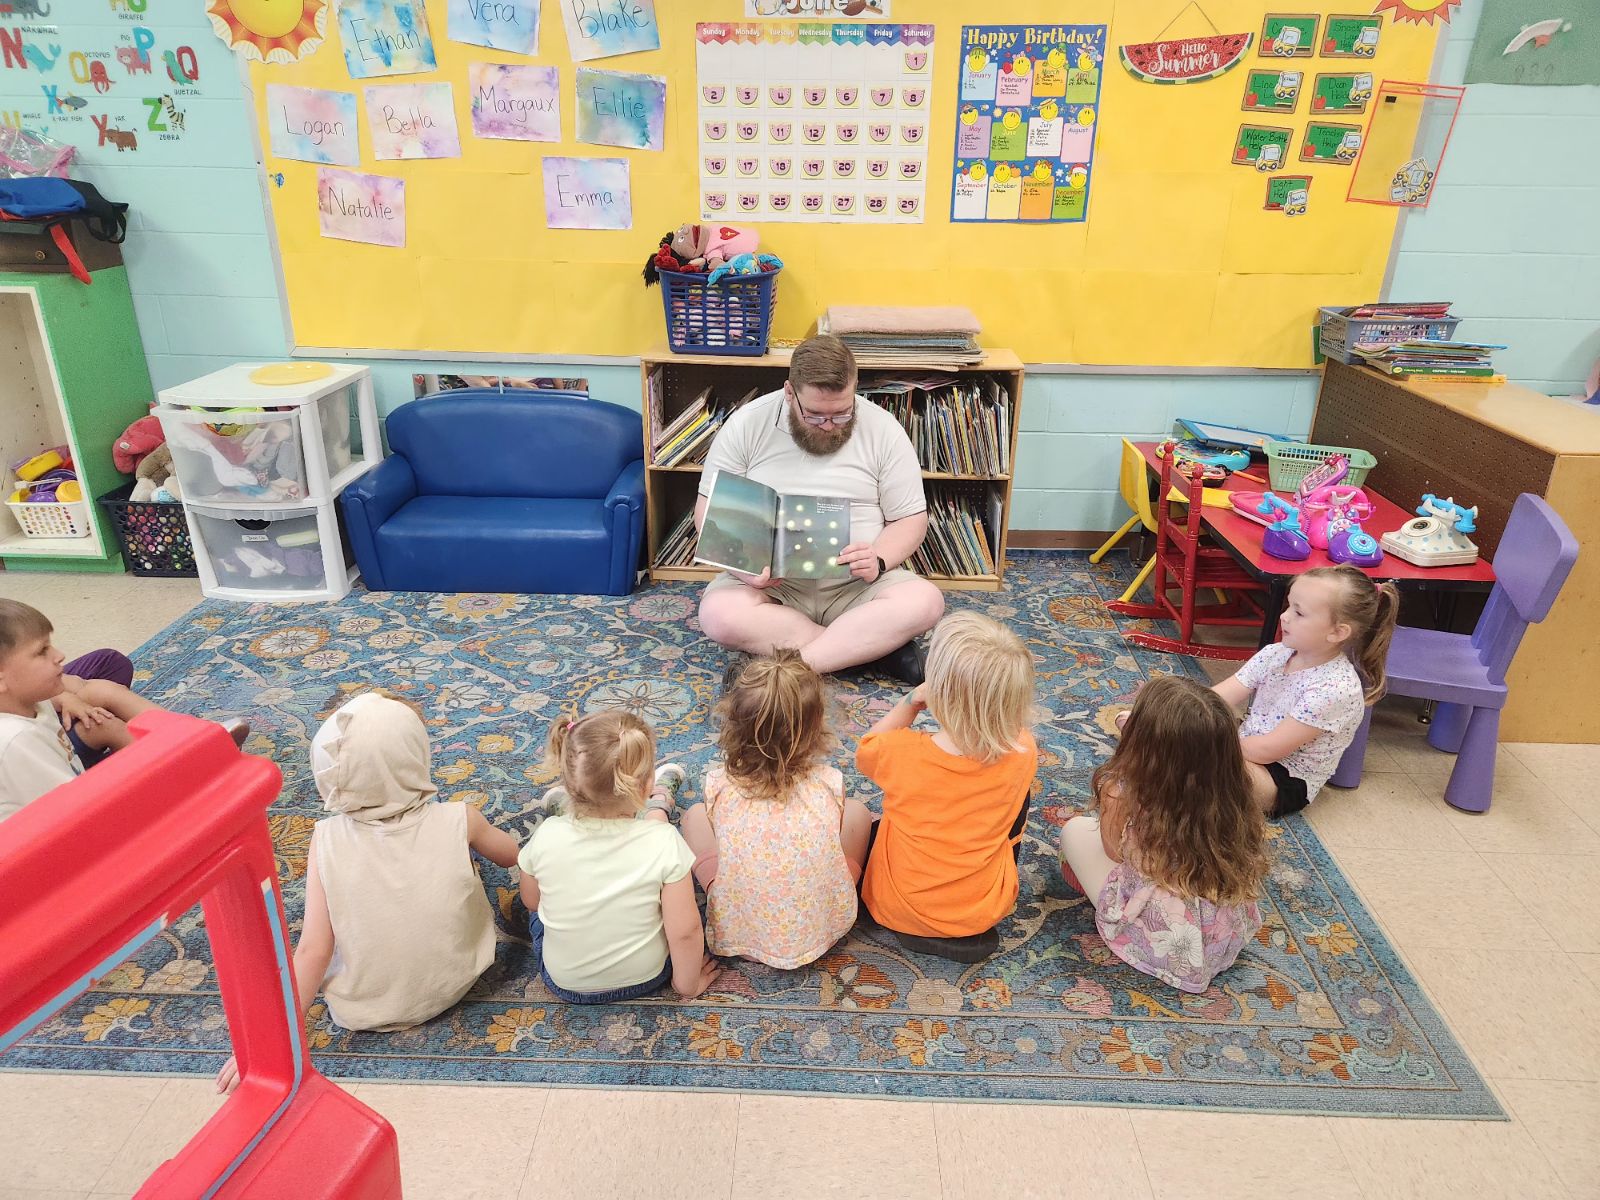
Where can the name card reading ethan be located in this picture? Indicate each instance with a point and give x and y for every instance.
(385, 37)
(602, 28)
(499, 24)
(413, 120)
(619, 109)
(313, 125)
(587, 193)
(361, 208)
(519, 103)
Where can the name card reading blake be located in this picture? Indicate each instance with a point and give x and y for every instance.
(517, 103)
(602, 28)
(354, 207)
(413, 120)
(619, 109)
(313, 125)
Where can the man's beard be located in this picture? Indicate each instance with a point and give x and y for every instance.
(818, 441)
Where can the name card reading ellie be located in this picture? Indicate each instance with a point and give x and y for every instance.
(413, 120)
(587, 193)
(361, 208)
(499, 24)
(519, 103)
(619, 109)
(313, 125)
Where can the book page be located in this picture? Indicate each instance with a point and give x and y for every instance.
(811, 532)
(739, 526)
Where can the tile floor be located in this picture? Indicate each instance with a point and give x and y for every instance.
(1494, 913)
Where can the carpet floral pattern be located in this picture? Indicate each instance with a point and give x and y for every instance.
(1318, 1015)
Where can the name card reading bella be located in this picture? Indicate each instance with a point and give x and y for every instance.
(313, 125)
(413, 120)
(499, 24)
(361, 208)
(602, 28)
(520, 103)
(587, 193)
(619, 109)
(385, 37)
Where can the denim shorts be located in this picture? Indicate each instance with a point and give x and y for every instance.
(615, 996)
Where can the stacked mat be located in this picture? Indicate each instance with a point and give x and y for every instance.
(939, 339)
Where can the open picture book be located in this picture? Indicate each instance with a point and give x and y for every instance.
(749, 528)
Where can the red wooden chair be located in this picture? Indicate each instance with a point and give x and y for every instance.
(1183, 562)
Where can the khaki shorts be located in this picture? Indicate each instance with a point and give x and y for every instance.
(823, 603)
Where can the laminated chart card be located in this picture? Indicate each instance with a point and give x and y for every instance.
(1026, 112)
(813, 121)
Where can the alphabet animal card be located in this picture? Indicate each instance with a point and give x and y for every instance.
(814, 121)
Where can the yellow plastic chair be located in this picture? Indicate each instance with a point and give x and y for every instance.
(1133, 483)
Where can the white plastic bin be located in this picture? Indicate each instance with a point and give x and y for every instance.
(271, 554)
(237, 457)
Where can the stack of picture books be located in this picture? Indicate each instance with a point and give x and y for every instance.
(941, 338)
(677, 548)
(961, 527)
(1434, 361)
(1427, 310)
(957, 427)
(689, 435)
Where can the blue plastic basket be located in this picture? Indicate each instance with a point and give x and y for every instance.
(733, 316)
(1339, 332)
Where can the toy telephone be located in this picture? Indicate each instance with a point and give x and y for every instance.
(1436, 537)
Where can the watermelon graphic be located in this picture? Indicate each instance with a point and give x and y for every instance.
(1185, 60)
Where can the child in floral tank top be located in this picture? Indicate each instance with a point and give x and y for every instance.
(778, 846)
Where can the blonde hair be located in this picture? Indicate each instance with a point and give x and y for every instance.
(19, 623)
(774, 724)
(979, 684)
(822, 362)
(1184, 791)
(1371, 610)
(606, 760)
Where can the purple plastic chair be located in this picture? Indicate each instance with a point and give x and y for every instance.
(1467, 674)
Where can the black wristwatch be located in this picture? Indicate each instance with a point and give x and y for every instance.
(883, 568)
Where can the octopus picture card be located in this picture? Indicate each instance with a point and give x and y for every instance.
(499, 24)
(516, 103)
(603, 28)
(313, 125)
(385, 37)
(619, 109)
(587, 193)
(413, 120)
(354, 207)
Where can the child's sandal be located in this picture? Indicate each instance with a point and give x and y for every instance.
(670, 778)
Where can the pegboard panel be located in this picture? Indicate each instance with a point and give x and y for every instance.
(1424, 447)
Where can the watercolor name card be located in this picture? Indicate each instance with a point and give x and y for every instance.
(313, 125)
(618, 109)
(587, 193)
(385, 37)
(413, 120)
(499, 24)
(518, 103)
(603, 28)
(361, 208)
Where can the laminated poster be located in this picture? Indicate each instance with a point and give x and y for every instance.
(499, 24)
(1288, 35)
(413, 120)
(1335, 94)
(1330, 142)
(385, 37)
(618, 109)
(814, 121)
(1264, 147)
(603, 28)
(1272, 89)
(587, 193)
(313, 125)
(1288, 194)
(1351, 37)
(1027, 106)
(515, 103)
(361, 208)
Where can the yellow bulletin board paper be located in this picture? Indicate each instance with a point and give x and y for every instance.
(1178, 263)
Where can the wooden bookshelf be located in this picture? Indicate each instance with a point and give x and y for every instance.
(670, 491)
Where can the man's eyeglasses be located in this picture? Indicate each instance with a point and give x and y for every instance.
(809, 418)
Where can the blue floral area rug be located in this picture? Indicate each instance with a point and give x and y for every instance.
(1318, 1016)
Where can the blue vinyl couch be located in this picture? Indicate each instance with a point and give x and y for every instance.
(489, 491)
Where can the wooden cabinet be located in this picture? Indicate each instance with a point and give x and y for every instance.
(677, 379)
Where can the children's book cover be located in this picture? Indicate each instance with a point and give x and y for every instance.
(750, 528)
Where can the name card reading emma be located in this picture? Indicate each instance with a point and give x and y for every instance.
(519, 103)
(602, 28)
(413, 120)
(313, 125)
(500, 24)
(587, 193)
(619, 109)
(361, 208)
(385, 37)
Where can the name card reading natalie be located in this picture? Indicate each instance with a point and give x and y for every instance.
(499, 24)
(619, 109)
(413, 120)
(313, 125)
(385, 37)
(518, 103)
(602, 28)
(587, 193)
(354, 207)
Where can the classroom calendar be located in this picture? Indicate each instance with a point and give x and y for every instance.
(814, 121)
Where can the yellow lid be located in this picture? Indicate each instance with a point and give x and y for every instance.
(285, 374)
(69, 492)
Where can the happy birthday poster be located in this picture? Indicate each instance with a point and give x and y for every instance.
(1026, 115)
(814, 121)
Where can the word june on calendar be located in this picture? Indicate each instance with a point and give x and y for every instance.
(814, 121)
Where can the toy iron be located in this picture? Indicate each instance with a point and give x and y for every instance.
(1437, 536)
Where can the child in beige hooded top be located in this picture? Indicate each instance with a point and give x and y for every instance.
(397, 926)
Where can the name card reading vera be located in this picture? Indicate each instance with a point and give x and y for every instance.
(313, 125)
(354, 207)
(499, 24)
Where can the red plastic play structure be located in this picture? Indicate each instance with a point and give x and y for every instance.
(97, 868)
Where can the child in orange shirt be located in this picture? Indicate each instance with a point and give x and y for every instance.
(942, 867)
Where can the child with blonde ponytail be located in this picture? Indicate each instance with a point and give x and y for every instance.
(606, 881)
(1307, 693)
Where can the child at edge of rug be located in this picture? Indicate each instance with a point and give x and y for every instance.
(59, 718)
(1173, 862)
(1308, 693)
(778, 846)
(607, 880)
(942, 862)
(397, 926)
